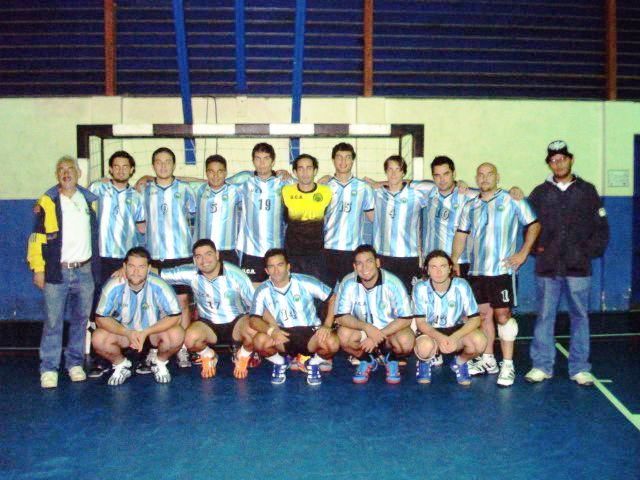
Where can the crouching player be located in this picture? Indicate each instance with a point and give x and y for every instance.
(131, 311)
(295, 327)
(223, 295)
(374, 313)
(441, 303)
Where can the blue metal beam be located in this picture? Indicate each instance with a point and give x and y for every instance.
(298, 70)
(183, 73)
(241, 76)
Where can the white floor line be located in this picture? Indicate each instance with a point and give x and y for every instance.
(633, 418)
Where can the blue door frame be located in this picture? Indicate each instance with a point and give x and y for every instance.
(635, 271)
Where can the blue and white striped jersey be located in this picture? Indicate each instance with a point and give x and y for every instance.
(138, 310)
(169, 211)
(217, 215)
(261, 219)
(220, 300)
(493, 228)
(447, 309)
(293, 305)
(387, 301)
(440, 218)
(118, 213)
(396, 221)
(344, 220)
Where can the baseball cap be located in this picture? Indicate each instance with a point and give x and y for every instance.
(556, 147)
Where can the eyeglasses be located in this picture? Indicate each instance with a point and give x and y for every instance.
(557, 160)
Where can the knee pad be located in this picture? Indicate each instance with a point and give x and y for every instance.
(508, 331)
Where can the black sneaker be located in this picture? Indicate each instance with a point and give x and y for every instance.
(98, 369)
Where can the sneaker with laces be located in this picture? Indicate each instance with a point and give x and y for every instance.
(209, 366)
(97, 370)
(584, 379)
(490, 365)
(77, 374)
(507, 374)
(161, 372)
(437, 361)
(49, 379)
(279, 373)
(536, 375)
(326, 366)
(462, 373)
(364, 369)
(241, 368)
(423, 371)
(476, 366)
(121, 372)
(313, 373)
(144, 367)
(393, 371)
(298, 363)
(182, 358)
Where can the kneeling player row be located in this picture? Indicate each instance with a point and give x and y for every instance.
(369, 315)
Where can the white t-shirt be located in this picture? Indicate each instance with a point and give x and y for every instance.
(76, 228)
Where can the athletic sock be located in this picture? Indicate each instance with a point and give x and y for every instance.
(207, 352)
(277, 359)
(316, 360)
(507, 362)
(243, 352)
(486, 356)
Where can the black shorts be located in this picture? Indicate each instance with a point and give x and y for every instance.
(464, 270)
(224, 331)
(230, 256)
(405, 268)
(298, 339)
(497, 291)
(339, 263)
(171, 263)
(254, 268)
(446, 330)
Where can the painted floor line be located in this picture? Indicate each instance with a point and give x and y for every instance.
(594, 335)
(633, 418)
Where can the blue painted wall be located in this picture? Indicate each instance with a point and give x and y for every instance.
(23, 301)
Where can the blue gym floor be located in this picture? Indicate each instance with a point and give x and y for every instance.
(228, 429)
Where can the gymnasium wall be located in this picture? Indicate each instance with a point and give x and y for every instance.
(513, 134)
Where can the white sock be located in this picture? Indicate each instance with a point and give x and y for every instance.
(207, 352)
(244, 352)
(316, 360)
(507, 362)
(487, 356)
(277, 359)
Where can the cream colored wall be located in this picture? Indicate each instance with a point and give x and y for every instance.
(512, 134)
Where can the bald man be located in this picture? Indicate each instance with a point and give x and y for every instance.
(490, 222)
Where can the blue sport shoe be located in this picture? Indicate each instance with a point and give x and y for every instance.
(279, 373)
(423, 371)
(462, 372)
(393, 371)
(313, 374)
(364, 369)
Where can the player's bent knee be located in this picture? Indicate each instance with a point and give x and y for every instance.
(509, 330)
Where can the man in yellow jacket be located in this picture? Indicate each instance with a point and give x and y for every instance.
(61, 251)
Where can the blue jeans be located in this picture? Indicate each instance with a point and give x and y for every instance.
(549, 292)
(76, 291)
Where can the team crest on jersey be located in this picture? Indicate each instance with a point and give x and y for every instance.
(177, 195)
(296, 298)
(454, 206)
(404, 200)
(225, 197)
(317, 197)
(255, 190)
(452, 304)
(353, 193)
(500, 208)
(144, 306)
(128, 201)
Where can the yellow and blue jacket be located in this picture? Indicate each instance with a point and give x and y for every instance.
(45, 242)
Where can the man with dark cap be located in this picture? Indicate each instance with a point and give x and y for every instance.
(574, 231)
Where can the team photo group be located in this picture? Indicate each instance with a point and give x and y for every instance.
(277, 267)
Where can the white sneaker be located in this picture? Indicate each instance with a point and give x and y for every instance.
(76, 374)
(536, 375)
(476, 366)
(121, 372)
(144, 368)
(182, 358)
(437, 361)
(353, 360)
(49, 379)
(507, 375)
(161, 372)
(583, 378)
(490, 365)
